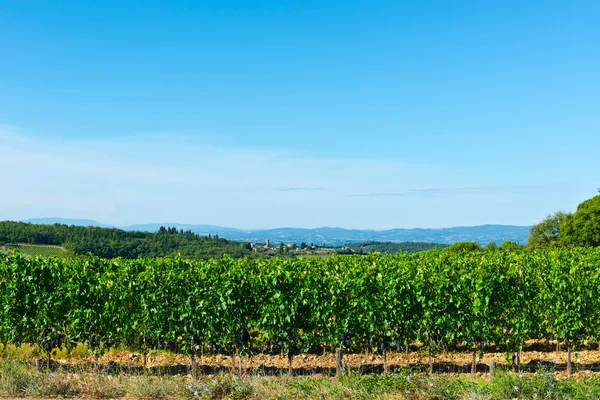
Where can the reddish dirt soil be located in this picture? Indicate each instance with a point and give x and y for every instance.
(452, 362)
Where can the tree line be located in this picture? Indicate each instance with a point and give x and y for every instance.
(388, 247)
(112, 242)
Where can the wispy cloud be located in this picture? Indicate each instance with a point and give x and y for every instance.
(131, 180)
(135, 180)
(300, 189)
(490, 190)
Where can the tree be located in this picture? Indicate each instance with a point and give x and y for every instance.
(460, 247)
(582, 228)
(510, 246)
(545, 233)
(491, 246)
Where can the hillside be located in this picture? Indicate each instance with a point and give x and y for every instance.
(389, 247)
(41, 250)
(112, 242)
(336, 236)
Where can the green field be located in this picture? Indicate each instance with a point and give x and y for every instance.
(34, 250)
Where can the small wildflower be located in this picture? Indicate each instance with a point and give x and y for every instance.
(431, 384)
(520, 376)
(51, 375)
(205, 388)
(552, 385)
(516, 388)
(407, 392)
(196, 393)
(408, 377)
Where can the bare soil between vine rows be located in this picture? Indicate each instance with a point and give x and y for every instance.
(536, 354)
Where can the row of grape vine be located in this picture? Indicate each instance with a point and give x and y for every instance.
(299, 305)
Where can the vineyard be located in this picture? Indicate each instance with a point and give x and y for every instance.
(34, 250)
(294, 306)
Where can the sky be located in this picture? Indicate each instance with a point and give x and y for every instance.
(263, 114)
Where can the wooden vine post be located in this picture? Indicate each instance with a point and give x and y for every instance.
(338, 361)
(430, 360)
(233, 358)
(240, 360)
(385, 364)
(193, 362)
(569, 364)
(474, 363)
(194, 365)
(145, 340)
(290, 358)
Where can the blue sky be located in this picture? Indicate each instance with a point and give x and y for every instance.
(258, 114)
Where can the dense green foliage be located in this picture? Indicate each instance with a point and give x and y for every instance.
(112, 243)
(430, 297)
(511, 246)
(460, 247)
(583, 227)
(389, 247)
(580, 229)
(544, 234)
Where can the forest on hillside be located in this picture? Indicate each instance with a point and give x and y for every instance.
(169, 241)
(388, 247)
(112, 242)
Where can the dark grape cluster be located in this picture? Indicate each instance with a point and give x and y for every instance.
(315, 349)
(269, 347)
(397, 344)
(146, 341)
(243, 337)
(345, 340)
(165, 344)
(293, 348)
(385, 343)
(50, 343)
(194, 343)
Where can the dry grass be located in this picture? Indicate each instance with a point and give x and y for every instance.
(18, 378)
(150, 387)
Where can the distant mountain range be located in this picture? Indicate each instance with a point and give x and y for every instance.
(329, 236)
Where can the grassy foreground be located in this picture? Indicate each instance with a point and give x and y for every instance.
(18, 378)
